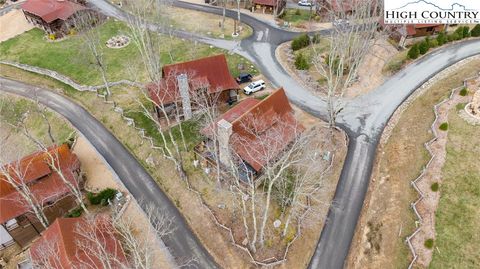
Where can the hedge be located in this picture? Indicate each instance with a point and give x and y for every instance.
(423, 47)
(476, 31)
(101, 197)
(414, 52)
(442, 38)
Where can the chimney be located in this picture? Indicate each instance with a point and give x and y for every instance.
(184, 89)
(224, 130)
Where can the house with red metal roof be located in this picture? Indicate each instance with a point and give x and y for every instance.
(181, 82)
(78, 243)
(341, 6)
(403, 33)
(254, 132)
(269, 6)
(18, 223)
(54, 16)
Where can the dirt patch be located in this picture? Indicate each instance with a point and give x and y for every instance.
(400, 158)
(370, 74)
(12, 24)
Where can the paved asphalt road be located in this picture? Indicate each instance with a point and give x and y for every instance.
(363, 119)
(183, 244)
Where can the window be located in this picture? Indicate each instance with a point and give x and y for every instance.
(11, 224)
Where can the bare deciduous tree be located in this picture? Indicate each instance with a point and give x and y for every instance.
(291, 174)
(207, 104)
(90, 33)
(150, 46)
(15, 174)
(141, 246)
(96, 244)
(352, 36)
(47, 255)
(52, 156)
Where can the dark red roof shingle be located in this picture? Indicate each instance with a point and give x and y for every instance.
(261, 129)
(50, 10)
(211, 72)
(45, 184)
(64, 237)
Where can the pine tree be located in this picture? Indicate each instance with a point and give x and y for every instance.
(414, 52)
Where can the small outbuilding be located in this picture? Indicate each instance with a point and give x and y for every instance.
(55, 17)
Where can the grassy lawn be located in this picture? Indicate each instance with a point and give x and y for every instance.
(13, 109)
(297, 16)
(203, 23)
(191, 21)
(458, 213)
(71, 58)
(399, 162)
(190, 129)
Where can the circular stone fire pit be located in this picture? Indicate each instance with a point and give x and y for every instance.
(117, 42)
(473, 108)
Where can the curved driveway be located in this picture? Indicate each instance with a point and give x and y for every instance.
(363, 119)
(182, 243)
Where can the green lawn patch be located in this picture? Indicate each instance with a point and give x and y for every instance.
(72, 58)
(13, 109)
(190, 129)
(458, 214)
(297, 16)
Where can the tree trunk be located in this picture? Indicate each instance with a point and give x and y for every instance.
(223, 16)
(265, 214)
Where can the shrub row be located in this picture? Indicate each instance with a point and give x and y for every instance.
(101, 197)
(441, 39)
(476, 31)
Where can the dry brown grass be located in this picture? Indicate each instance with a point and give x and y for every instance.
(398, 162)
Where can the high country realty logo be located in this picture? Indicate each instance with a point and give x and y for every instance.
(432, 11)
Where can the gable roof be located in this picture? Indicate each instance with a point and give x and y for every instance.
(261, 129)
(63, 238)
(265, 2)
(231, 115)
(411, 29)
(43, 182)
(211, 72)
(50, 10)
